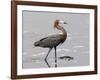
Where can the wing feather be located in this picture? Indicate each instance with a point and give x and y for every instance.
(50, 41)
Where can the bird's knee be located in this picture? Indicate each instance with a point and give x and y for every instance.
(46, 59)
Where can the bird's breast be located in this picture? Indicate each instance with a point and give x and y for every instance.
(63, 38)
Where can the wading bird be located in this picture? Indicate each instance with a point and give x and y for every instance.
(54, 40)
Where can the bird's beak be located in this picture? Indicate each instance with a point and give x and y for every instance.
(65, 23)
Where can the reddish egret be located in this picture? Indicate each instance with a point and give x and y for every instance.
(54, 40)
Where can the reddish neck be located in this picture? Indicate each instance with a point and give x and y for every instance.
(64, 33)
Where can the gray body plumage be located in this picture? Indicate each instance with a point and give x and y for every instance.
(49, 42)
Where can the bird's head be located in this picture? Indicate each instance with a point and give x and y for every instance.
(57, 22)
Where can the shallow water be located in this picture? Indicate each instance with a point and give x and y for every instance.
(34, 57)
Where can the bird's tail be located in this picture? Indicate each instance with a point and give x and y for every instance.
(36, 44)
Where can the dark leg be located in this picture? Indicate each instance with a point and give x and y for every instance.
(55, 57)
(47, 63)
(47, 56)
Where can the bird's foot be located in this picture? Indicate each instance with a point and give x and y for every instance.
(47, 62)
